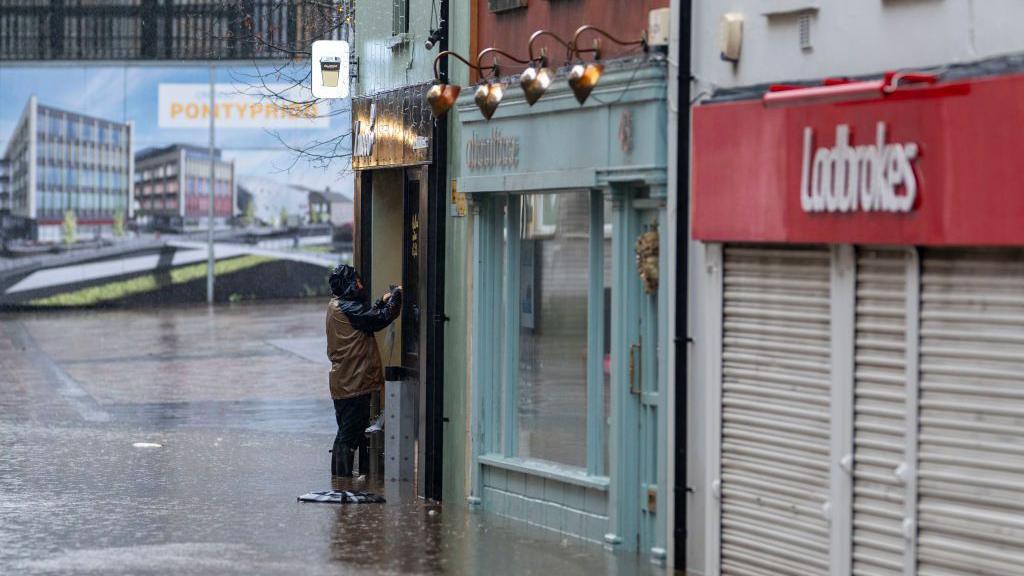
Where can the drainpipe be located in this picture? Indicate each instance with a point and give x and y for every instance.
(437, 205)
(681, 337)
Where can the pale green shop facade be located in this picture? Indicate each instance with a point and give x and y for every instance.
(391, 54)
(565, 380)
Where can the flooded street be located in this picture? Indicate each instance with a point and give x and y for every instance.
(237, 401)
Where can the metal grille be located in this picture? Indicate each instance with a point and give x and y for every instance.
(503, 5)
(776, 362)
(805, 30)
(971, 465)
(164, 29)
(879, 412)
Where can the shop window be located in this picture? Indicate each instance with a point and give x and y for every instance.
(545, 373)
(553, 285)
(399, 17)
(543, 213)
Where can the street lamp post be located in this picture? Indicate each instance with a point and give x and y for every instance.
(213, 174)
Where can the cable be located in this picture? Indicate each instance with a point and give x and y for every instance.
(623, 92)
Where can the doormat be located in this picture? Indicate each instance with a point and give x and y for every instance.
(342, 497)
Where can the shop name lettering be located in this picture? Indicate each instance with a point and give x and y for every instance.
(364, 143)
(496, 150)
(875, 177)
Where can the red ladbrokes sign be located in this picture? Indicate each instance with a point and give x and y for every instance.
(939, 165)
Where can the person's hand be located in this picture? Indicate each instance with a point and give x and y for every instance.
(387, 295)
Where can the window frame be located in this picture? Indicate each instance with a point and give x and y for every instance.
(399, 17)
(497, 312)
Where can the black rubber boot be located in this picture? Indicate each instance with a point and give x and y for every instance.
(364, 458)
(350, 461)
(336, 449)
(342, 458)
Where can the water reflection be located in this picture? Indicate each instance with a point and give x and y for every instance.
(245, 427)
(403, 535)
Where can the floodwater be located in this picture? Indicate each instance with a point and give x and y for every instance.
(237, 400)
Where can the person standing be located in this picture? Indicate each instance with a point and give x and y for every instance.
(356, 369)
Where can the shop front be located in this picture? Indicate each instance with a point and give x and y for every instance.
(861, 340)
(394, 160)
(568, 337)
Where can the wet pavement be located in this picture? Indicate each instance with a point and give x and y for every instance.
(237, 399)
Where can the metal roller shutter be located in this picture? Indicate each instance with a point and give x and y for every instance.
(879, 413)
(775, 411)
(971, 463)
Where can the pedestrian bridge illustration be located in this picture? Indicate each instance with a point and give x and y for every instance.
(171, 271)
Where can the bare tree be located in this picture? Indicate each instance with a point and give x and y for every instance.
(286, 29)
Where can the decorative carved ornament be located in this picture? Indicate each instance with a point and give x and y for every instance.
(647, 260)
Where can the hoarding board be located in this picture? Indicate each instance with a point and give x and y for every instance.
(260, 126)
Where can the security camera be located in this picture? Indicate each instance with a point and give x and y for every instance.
(436, 35)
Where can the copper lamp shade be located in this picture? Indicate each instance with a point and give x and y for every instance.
(583, 78)
(535, 83)
(441, 98)
(488, 97)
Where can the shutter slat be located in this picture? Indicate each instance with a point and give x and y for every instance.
(775, 411)
(879, 412)
(971, 466)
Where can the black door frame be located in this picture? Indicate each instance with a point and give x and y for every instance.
(362, 237)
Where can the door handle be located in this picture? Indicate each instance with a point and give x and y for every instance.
(634, 371)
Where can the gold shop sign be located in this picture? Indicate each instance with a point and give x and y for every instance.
(391, 128)
(492, 151)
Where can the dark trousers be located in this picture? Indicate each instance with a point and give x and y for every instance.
(353, 416)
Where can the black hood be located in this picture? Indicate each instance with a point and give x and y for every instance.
(343, 283)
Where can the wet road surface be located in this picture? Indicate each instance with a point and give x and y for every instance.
(237, 399)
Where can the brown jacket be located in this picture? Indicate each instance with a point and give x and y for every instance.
(355, 359)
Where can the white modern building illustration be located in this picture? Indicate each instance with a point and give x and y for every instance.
(59, 161)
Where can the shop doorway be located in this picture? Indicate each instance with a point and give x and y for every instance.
(644, 382)
(393, 243)
(639, 418)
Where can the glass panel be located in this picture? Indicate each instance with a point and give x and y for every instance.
(552, 405)
(606, 411)
(499, 324)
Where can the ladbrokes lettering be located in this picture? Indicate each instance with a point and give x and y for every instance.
(875, 177)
